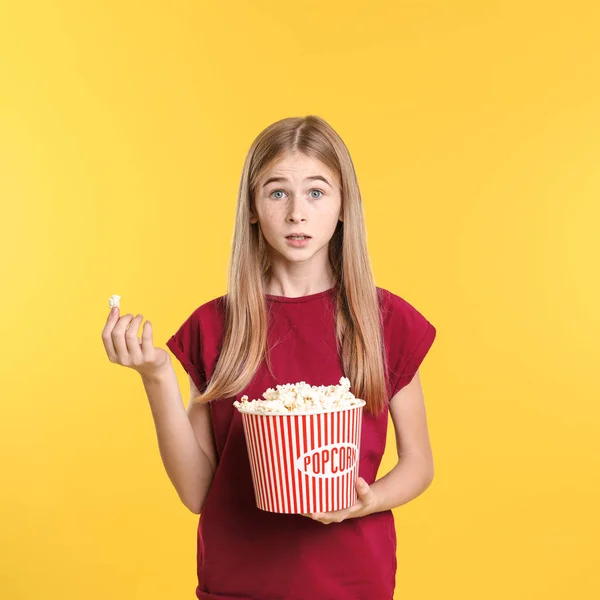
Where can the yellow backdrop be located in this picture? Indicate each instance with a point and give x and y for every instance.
(474, 128)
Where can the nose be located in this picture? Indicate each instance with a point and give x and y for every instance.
(295, 213)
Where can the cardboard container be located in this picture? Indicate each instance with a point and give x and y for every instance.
(304, 463)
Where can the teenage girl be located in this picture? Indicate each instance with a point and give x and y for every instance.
(302, 305)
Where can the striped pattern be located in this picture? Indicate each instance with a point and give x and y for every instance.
(304, 463)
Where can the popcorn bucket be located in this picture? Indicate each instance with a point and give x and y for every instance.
(304, 463)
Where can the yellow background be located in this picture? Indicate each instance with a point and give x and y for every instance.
(474, 128)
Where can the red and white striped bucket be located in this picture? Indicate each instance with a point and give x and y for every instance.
(304, 463)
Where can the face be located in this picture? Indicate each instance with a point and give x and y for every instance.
(299, 194)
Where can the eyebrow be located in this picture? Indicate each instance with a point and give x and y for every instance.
(311, 178)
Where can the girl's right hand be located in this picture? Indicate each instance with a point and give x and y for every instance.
(123, 346)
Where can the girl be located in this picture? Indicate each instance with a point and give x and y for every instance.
(302, 305)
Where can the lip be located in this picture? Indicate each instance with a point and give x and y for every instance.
(298, 243)
(298, 233)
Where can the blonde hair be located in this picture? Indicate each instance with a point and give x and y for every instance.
(358, 318)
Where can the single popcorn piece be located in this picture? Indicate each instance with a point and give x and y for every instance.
(301, 398)
(114, 300)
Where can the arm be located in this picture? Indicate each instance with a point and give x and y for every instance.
(200, 418)
(413, 472)
(188, 466)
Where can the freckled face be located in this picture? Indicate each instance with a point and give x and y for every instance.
(298, 194)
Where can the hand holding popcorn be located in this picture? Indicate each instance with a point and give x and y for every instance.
(364, 506)
(123, 347)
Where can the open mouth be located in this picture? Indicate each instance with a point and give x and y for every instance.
(298, 240)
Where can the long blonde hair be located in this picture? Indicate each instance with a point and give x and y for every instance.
(358, 318)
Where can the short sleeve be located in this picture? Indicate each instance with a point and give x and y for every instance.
(409, 336)
(186, 345)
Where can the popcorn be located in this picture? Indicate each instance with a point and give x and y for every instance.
(301, 398)
(114, 300)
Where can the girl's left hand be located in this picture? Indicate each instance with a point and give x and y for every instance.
(364, 506)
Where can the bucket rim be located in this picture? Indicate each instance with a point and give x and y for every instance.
(291, 414)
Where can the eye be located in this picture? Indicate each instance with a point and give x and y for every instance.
(321, 192)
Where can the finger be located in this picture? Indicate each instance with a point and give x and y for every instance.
(325, 518)
(367, 498)
(107, 340)
(118, 338)
(355, 508)
(315, 517)
(132, 340)
(147, 343)
(362, 487)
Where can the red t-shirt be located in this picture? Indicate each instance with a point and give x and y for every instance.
(246, 553)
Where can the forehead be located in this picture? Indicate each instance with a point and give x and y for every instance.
(289, 164)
